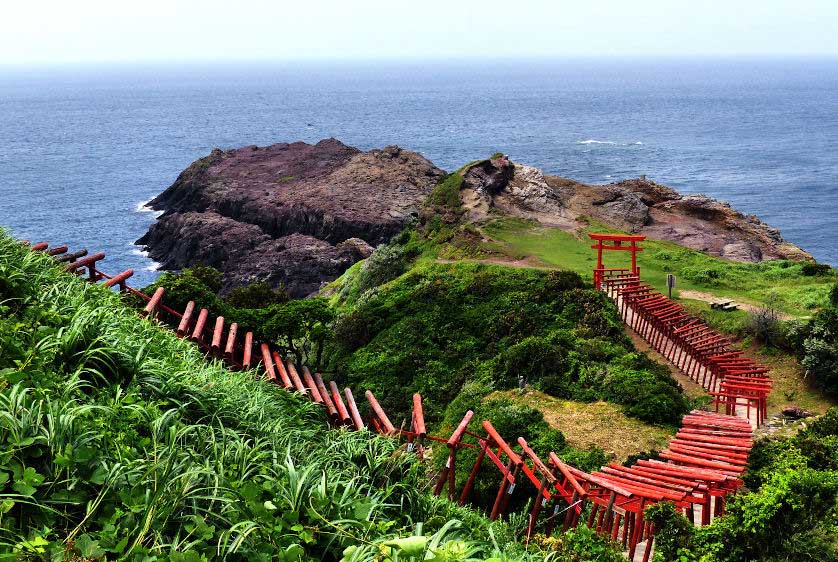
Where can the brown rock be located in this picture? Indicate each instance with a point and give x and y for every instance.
(296, 214)
(638, 206)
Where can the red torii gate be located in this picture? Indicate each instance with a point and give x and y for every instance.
(703, 462)
(617, 244)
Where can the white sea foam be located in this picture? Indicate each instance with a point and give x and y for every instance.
(138, 251)
(141, 208)
(592, 141)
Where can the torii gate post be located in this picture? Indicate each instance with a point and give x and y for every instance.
(616, 244)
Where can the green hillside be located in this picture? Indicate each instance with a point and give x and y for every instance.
(120, 441)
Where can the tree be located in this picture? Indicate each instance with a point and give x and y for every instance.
(301, 327)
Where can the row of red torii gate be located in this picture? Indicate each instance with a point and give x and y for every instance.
(701, 466)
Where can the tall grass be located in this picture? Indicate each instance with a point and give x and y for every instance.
(118, 440)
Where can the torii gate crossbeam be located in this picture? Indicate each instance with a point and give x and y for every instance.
(616, 243)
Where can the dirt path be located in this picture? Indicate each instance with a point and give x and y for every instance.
(710, 298)
(526, 262)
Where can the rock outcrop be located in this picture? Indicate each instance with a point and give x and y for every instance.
(292, 214)
(299, 215)
(638, 206)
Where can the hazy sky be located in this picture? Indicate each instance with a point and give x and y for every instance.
(33, 31)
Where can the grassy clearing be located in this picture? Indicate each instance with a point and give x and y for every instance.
(798, 294)
(594, 424)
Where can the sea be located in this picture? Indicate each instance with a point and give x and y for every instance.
(82, 148)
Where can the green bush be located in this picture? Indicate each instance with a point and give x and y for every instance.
(791, 517)
(821, 363)
(582, 544)
(200, 284)
(703, 275)
(833, 296)
(811, 269)
(385, 264)
(256, 295)
(447, 192)
(438, 326)
(790, 511)
(674, 532)
(646, 388)
(816, 343)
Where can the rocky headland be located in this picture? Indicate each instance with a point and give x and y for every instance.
(293, 214)
(638, 206)
(300, 214)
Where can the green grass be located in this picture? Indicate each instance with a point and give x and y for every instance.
(118, 440)
(798, 294)
(447, 192)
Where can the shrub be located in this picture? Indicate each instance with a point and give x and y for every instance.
(256, 295)
(646, 396)
(579, 544)
(791, 508)
(387, 262)
(447, 192)
(674, 531)
(559, 281)
(821, 363)
(200, 284)
(833, 296)
(764, 321)
(702, 275)
(531, 361)
(786, 519)
(812, 269)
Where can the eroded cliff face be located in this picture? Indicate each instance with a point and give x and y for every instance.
(293, 214)
(638, 206)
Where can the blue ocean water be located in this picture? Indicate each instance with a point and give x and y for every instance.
(82, 147)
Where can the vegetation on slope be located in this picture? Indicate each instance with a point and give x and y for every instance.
(816, 344)
(439, 326)
(790, 511)
(119, 440)
(785, 321)
(798, 288)
(299, 328)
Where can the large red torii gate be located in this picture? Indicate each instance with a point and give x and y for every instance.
(617, 244)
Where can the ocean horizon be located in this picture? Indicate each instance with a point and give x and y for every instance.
(82, 147)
